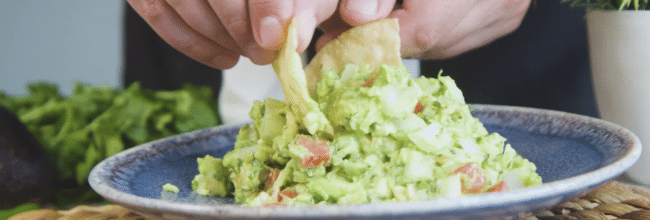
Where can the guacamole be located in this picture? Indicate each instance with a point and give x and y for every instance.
(368, 133)
(170, 188)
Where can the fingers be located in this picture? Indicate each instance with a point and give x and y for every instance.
(424, 22)
(477, 39)
(487, 14)
(170, 26)
(270, 17)
(358, 12)
(309, 15)
(443, 29)
(234, 16)
(199, 16)
(216, 32)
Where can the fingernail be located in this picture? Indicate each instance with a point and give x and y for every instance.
(306, 26)
(368, 7)
(270, 32)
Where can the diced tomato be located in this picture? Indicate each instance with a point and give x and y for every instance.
(501, 186)
(475, 176)
(418, 107)
(271, 177)
(369, 82)
(282, 195)
(320, 151)
(275, 204)
(286, 194)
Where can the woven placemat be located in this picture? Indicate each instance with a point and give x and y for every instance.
(612, 200)
(84, 212)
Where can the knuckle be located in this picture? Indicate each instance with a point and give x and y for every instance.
(262, 3)
(281, 9)
(235, 21)
(326, 9)
(522, 8)
(516, 21)
(517, 7)
(425, 38)
(152, 10)
(175, 3)
(198, 51)
(208, 53)
(193, 48)
(513, 26)
(511, 3)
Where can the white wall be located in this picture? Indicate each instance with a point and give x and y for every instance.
(59, 41)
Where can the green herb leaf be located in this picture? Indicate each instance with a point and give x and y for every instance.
(95, 122)
(7, 213)
(83, 169)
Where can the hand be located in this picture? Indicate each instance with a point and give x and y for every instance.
(353, 13)
(439, 29)
(217, 32)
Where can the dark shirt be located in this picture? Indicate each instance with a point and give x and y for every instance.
(155, 64)
(543, 64)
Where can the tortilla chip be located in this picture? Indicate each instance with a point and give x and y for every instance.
(375, 43)
(288, 67)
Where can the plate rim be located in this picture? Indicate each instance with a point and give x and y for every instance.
(555, 189)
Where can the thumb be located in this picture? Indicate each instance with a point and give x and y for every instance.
(269, 18)
(358, 12)
(267, 21)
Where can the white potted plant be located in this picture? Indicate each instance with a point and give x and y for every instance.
(619, 48)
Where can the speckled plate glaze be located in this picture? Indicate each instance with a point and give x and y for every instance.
(573, 153)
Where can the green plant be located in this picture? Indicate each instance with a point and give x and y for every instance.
(95, 122)
(611, 4)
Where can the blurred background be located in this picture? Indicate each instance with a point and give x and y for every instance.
(76, 40)
(59, 41)
(70, 41)
(81, 41)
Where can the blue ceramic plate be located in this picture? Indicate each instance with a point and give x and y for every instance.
(573, 153)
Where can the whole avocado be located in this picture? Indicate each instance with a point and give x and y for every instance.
(25, 172)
